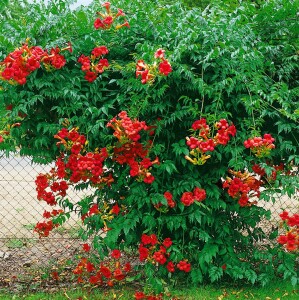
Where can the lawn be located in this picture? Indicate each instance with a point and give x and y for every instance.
(274, 291)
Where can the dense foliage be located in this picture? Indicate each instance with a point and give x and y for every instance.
(234, 78)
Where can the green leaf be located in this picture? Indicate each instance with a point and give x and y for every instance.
(208, 252)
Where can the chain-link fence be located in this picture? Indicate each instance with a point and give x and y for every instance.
(20, 247)
(20, 210)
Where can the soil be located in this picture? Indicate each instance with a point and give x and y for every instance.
(30, 267)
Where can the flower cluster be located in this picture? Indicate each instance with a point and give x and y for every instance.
(106, 211)
(153, 251)
(94, 64)
(107, 18)
(77, 166)
(198, 194)
(169, 198)
(53, 213)
(290, 240)
(5, 133)
(72, 168)
(170, 203)
(54, 60)
(243, 186)
(148, 72)
(109, 273)
(129, 151)
(45, 189)
(203, 139)
(24, 60)
(20, 63)
(43, 228)
(261, 147)
(281, 168)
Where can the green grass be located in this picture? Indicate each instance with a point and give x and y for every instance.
(277, 290)
(29, 226)
(15, 243)
(73, 232)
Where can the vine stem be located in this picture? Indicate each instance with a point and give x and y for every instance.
(295, 138)
(250, 97)
(279, 111)
(203, 95)
(216, 111)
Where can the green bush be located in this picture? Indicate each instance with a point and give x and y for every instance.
(227, 64)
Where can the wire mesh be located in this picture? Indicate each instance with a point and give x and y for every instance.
(276, 205)
(20, 246)
(20, 209)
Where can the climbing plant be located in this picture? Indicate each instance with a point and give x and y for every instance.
(180, 120)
